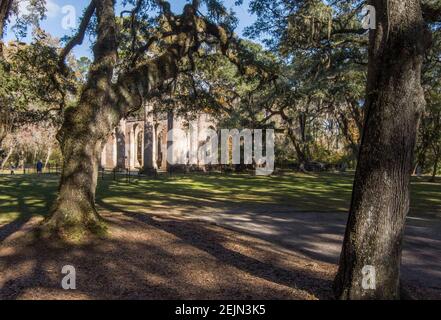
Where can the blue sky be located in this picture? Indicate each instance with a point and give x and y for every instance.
(55, 15)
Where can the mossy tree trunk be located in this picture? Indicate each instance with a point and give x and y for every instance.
(84, 129)
(102, 104)
(380, 199)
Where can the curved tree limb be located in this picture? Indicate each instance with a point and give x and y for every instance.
(79, 37)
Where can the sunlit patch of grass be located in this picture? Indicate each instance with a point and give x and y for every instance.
(22, 196)
(8, 217)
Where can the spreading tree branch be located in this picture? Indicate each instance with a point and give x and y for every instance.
(79, 37)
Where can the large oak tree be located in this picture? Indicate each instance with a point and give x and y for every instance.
(393, 105)
(380, 200)
(135, 59)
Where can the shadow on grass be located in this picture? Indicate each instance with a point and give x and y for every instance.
(167, 259)
(24, 197)
(203, 238)
(271, 208)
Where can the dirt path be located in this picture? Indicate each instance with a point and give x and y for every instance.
(153, 258)
(319, 236)
(204, 253)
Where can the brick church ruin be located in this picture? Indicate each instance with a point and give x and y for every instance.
(145, 142)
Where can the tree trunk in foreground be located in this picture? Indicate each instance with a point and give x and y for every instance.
(87, 126)
(371, 255)
(81, 137)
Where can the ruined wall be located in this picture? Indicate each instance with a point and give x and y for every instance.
(147, 143)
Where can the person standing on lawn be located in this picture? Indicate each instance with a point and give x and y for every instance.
(39, 167)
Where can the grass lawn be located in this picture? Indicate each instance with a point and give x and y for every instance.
(23, 196)
(166, 254)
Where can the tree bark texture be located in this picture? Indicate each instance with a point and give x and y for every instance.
(103, 103)
(84, 129)
(380, 199)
